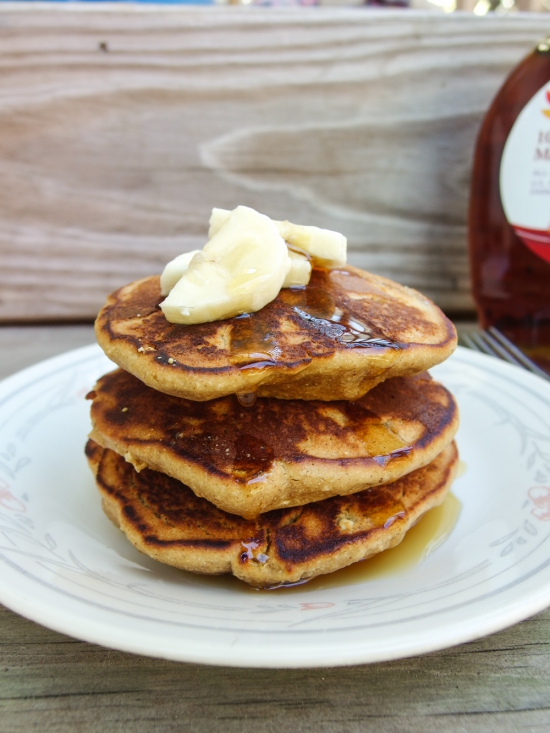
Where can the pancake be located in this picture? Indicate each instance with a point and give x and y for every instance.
(335, 339)
(276, 453)
(165, 520)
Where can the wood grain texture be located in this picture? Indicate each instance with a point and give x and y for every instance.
(22, 346)
(50, 683)
(120, 128)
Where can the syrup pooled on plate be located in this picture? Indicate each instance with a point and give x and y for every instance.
(462, 468)
(429, 533)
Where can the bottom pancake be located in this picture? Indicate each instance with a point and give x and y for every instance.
(164, 519)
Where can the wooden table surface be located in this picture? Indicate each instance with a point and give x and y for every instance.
(50, 682)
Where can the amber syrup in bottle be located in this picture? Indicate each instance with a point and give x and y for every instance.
(509, 216)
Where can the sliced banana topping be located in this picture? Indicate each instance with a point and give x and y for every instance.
(241, 269)
(244, 265)
(300, 270)
(174, 270)
(218, 217)
(327, 248)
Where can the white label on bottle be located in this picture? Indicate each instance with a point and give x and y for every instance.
(525, 174)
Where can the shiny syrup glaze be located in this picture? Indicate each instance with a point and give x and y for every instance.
(299, 251)
(250, 457)
(220, 435)
(429, 533)
(244, 456)
(461, 469)
(246, 399)
(254, 346)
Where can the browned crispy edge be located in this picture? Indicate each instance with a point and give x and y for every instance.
(303, 379)
(285, 564)
(284, 484)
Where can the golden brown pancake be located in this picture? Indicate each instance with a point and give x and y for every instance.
(277, 453)
(164, 519)
(335, 339)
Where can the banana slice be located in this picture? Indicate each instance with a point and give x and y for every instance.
(218, 217)
(174, 270)
(241, 269)
(328, 248)
(300, 270)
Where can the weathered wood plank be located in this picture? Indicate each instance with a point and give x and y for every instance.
(22, 346)
(121, 128)
(49, 682)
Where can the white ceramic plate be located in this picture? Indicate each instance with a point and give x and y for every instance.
(64, 565)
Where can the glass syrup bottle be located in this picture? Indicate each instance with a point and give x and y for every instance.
(509, 216)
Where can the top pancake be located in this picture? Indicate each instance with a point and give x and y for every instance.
(335, 339)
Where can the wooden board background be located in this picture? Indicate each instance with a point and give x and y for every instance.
(120, 128)
(50, 683)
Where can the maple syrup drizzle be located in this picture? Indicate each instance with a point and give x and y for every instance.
(254, 345)
(345, 329)
(299, 251)
(251, 460)
(247, 458)
(461, 468)
(249, 552)
(429, 533)
(247, 399)
(398, 453)
(316, 306)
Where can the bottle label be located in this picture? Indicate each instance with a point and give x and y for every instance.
(525, 174)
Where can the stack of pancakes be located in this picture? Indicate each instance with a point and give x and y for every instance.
(278, 445)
